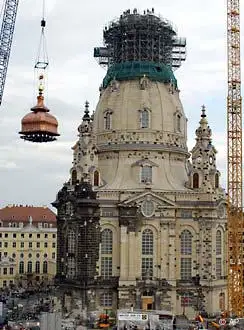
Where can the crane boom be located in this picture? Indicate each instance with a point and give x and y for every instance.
(6, 37)
(234, 144)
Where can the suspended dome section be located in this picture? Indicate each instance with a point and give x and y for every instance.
(136, 69)
(39, 125)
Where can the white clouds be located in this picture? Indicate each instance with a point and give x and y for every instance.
(34, 173)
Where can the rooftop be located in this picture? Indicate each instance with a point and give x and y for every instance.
(23, 213)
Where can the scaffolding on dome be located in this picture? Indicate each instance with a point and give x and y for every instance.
(141, 37)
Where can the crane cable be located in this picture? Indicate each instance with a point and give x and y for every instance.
(42, 55)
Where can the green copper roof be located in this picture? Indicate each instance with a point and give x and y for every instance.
(136, 69)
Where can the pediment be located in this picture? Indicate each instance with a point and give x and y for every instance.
(161, 201)
(144, 162)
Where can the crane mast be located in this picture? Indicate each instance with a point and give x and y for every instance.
(6, 37)
(234, 145)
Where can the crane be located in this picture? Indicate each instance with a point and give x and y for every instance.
(6, 37)
(234, 162)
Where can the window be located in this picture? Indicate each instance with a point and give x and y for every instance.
(21, 255)
(222, 301)
(4, 283)
(186, 300)
(0, 244)
(74, 177)
(38, 267)
(21, 267)
(13, 255)
(106, 299)
(29, 255)
(195, 180)
(218, 254)
(96, 178)
(30, 235)
(147, 208)
(147, 254)
(108, 120)
(46, 235)
(71, 241)
(71, 271)
(22, 245)
(53, 245)
(45, 245)
(146, 174)
(38, 235)
(5, 271)
(45, 255)
(107, 241)
(38, 244)
(216, 180)
(218, 243)
(178, 123)
(186, 252)
(144, 118)
(29, 267)
(53, 255)
(11, 270)
(30, 244)
(185, 268)
(14, 244)
(14, 235)
(218, 268)
(107, 253)
(44, 267)
(22, 235)
(38, 255)
(5, 244)
(186, 242)
(6, 235)
(54, 235)
(106, 267)
(5, 254)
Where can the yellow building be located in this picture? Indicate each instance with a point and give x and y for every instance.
(7, 271)
(28, 239)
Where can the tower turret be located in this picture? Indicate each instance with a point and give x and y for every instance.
(84, 151)
(204, 174)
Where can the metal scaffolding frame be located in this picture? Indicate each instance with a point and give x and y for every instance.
(141, 37)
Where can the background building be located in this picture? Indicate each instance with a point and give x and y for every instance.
(28, 244)
(163, 212)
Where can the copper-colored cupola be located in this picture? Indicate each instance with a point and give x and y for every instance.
(39, 125)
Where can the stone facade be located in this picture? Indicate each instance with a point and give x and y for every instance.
(163, 212)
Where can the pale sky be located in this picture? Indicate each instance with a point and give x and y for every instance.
(33, 173)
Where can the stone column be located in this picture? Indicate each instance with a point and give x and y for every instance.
(123, 253)
(132, 256)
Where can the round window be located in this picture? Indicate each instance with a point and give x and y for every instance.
(147, 208)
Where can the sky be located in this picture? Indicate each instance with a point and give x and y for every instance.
(33, 173)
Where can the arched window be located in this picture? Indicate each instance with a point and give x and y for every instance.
(38, 267)
(216, 180)
(144, 118)
(44, 268)
(218, 254)
(195, 180)
(96, 178)
(29, 267)
(147, 254)
(21, 267)
(74, 177)
(71, 241)
(107, 253)
(186, 255)
(108, 120)
(146, 174)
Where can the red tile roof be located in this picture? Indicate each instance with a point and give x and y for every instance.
(21, 213)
